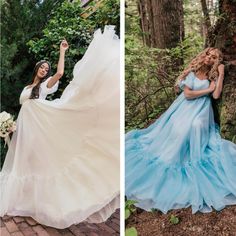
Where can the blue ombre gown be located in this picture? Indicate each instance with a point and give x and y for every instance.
(181, 160)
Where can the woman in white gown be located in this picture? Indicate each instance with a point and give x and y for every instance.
(62, 166)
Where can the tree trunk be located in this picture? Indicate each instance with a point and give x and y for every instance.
(207, 21)
(223, 36)
(145, 21)
(161, 22)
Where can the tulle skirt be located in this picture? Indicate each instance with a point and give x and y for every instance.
(181, 161)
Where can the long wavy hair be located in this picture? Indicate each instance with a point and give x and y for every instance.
(35, 90)
(197, 64)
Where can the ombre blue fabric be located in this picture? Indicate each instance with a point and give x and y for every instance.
(181, 160)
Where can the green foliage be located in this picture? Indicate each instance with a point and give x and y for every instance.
(150, 73)
(148, 80)
(9, 78)
(22, 20)
(174, 220)
(131, 232)
(129, 208)
(193, 16)
(108, 13)
(190, 51)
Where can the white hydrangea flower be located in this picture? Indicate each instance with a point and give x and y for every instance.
(7, 125)
(4, 116)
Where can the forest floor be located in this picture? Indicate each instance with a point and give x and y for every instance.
(26, 226)
(221, 223)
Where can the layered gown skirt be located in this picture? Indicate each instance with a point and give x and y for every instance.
(62, 166)
(181, 160)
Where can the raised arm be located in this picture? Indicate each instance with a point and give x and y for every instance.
(219, 83)
(60, 66)
(191, 94)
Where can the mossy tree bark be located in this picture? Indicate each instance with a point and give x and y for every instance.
(223, 36)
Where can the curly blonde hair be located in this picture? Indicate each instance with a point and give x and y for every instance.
(197, 64)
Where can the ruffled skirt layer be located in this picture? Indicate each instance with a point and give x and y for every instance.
(181, 161)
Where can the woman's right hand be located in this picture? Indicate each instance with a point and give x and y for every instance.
(212, 86)
(64, 45)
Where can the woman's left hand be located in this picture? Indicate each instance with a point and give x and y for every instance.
(64, 45)
(221, 69)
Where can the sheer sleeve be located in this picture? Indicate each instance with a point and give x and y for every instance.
(47, 90)
(188, 81)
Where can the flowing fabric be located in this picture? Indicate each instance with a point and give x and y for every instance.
(181, 160)
(62, 166)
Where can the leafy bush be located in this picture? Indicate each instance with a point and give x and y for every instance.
(129, 209)
(107, 13)
(150, 73)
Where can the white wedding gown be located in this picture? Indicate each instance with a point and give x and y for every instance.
(62, 166)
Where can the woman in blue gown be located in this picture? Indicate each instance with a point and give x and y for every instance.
(181, 160)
